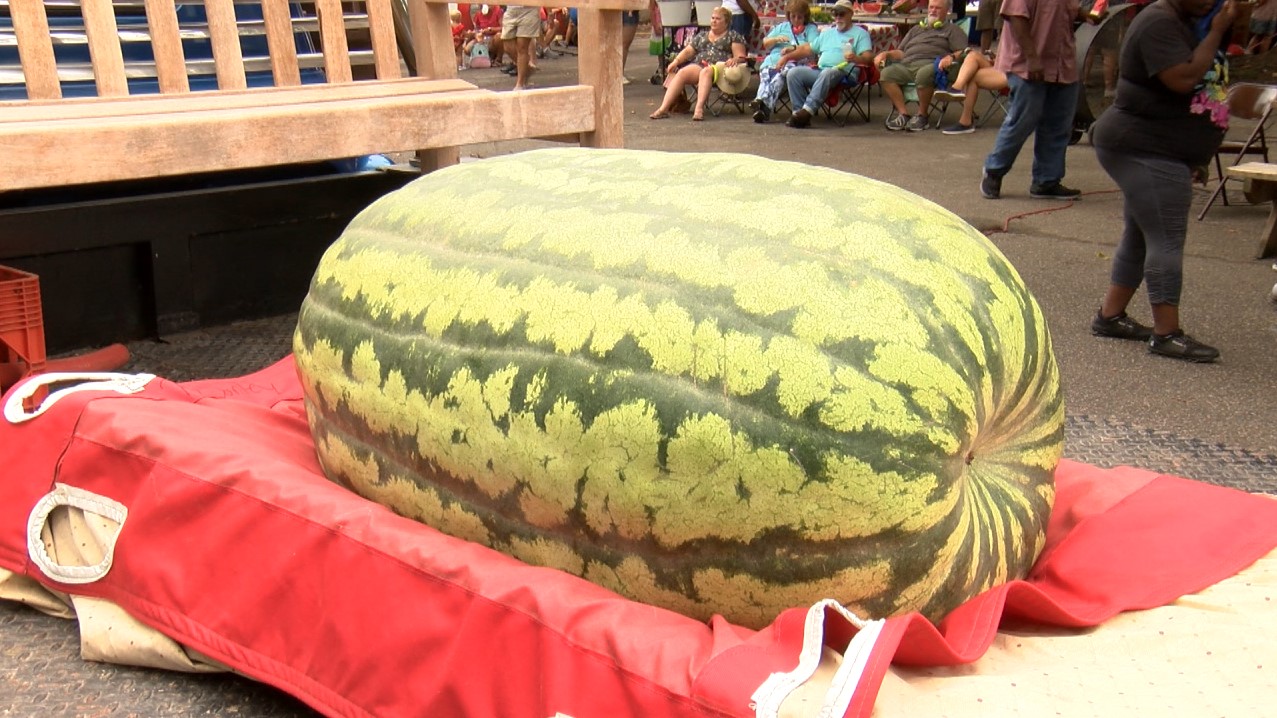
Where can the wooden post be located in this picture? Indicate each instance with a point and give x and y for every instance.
(599, 66)
(436, 60)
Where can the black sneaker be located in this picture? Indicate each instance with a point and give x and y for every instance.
(1120, 327)
(762, 115)
(1178, 345)
(755, 104)
(958, 129)
(990, 186)
(801, 118)
(1053, 191)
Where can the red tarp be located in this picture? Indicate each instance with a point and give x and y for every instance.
(235, 545)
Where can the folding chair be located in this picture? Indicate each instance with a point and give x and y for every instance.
(998, 100)
(997, 104)
(720, 101)
(1246, 101)
(848, 97)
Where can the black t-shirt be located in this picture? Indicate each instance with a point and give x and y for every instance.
(1147, 117)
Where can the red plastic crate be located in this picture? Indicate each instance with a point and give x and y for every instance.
(21, 319)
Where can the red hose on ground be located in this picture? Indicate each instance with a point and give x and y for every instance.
(107, 358)
(1007, 224)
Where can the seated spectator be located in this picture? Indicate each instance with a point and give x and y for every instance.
(694, 64)
(1263, 25)
(782, 44)
(460, 36)
(556, 28)
(836, 50)
(976, 73)
(487, 29)
(915, 62)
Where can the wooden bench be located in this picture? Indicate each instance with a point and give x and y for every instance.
(48, 140)
(1261, 186)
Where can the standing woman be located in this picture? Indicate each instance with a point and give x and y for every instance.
(694, 64)
(1154, 140)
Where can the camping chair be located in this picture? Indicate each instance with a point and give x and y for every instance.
(1246, 101)
(997, 104)
(998, 100)
(848, 97)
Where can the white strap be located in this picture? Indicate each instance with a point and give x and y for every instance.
(854, 662)
(64, 495)
(15, 413)
(773, 691)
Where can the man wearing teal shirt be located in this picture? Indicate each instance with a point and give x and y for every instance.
(835, 49)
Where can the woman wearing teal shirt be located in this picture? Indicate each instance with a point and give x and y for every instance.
(782, 43)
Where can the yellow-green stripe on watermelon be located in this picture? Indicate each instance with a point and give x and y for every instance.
(711, 382)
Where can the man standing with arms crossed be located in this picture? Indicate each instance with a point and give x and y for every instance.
(1038, 54)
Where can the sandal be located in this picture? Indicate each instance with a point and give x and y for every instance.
(659, 115)
(698, 116)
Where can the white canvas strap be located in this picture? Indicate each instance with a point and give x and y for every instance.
(15, 412)
(63, 495)
(769, 696)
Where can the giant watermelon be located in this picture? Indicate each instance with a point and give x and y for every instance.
(711, 382)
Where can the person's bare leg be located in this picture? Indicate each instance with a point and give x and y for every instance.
(1165, 318)
(968, 105)
(703, 84)
(924, 99)
(675, 88)
(896, 95)
(1116, 299)
(522, 61)
(627, 38)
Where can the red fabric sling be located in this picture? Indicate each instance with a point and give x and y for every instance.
(237, 546)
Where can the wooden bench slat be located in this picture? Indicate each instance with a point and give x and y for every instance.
(86, 107)
(166, 46)
(385, 50)
(262, 136)
(104, 47)
(35, 49)
(224, 36)
(116, 137)
(138, 70)
(189, 31)
(282, 44)
(332, 35)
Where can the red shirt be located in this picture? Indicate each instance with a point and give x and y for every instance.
(492, 20)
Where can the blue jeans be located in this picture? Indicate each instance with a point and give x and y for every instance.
(1042, 109)
(809, 86)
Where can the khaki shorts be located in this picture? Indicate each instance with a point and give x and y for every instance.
(921, 73)
(521, 22)
(989, 16)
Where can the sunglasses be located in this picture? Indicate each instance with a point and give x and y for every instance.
(839, 13)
